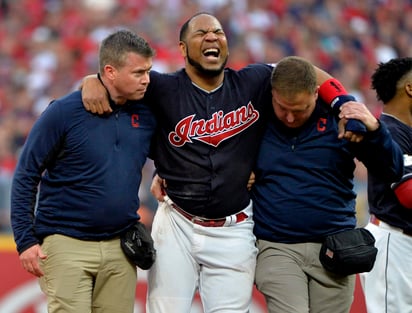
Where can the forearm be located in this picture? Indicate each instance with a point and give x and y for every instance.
(94, 95)
(86, 78)
(321, 75)
(381, 155)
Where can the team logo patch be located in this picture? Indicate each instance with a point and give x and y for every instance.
(135, 120)
(215, 130)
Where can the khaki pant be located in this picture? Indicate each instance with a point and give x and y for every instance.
(292, 279)
(87, 276)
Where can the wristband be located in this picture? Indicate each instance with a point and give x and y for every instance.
(334, 94)
(331, 89)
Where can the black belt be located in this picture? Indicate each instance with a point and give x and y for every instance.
(208, 222)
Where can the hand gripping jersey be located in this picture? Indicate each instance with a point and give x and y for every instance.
(207, 141)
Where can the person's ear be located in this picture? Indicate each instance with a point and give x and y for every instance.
(316, 93)
(109, 72)
(408, 89)
(183, 48)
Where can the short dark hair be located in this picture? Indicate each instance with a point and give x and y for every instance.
(293, 75)
(114, 48)
(387, 75)
(185, 26)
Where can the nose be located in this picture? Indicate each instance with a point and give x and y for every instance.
(210, 36)
(290, 118)
(146, 78)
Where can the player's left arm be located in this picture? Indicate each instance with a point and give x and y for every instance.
(251, 181)
(157, 188)
(321, 75)
(403, 190)
(353, 110)
(332, 92)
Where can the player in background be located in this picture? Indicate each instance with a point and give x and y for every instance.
(89, 169)
(388, 286)
(303, 190)
(211, 119)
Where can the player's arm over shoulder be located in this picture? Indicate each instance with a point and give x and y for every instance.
(94, 95)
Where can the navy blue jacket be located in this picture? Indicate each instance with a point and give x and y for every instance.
(89, 170)
(382, 200)
(304, 177)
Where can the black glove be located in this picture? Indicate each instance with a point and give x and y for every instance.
(137, 244)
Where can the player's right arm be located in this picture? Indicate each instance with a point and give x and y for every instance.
(353, 110)
(94, 95)
(157, 188)
(251, 181)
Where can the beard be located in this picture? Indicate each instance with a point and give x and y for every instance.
(204, 71)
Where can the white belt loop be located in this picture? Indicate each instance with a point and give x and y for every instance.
(167, 200)
(230, 220)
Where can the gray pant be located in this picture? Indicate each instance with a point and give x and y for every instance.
(292, 279)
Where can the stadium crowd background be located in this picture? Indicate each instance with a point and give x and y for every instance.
(47, 46)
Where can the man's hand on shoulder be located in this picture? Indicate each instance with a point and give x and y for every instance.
(94, 95)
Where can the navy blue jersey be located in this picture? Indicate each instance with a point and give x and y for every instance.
(207, 141)
(382, 200)
(304, 177)
(89, 170)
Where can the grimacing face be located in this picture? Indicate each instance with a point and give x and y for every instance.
(131, 80)
(294, 111)
(205, 46)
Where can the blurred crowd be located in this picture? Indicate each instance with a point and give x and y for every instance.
(47, 46)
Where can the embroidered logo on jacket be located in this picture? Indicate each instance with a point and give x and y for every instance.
(135, 120)
(219, 128)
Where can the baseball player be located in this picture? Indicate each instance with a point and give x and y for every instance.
(211, 120)
(388, 286)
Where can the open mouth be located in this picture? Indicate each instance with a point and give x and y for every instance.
(211, 52)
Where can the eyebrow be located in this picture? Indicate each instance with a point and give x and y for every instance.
(307, 105)
(213, 30)
(143, 69)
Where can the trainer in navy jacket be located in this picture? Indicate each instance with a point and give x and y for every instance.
(80, 194)
(304, 178)
(304, 189)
